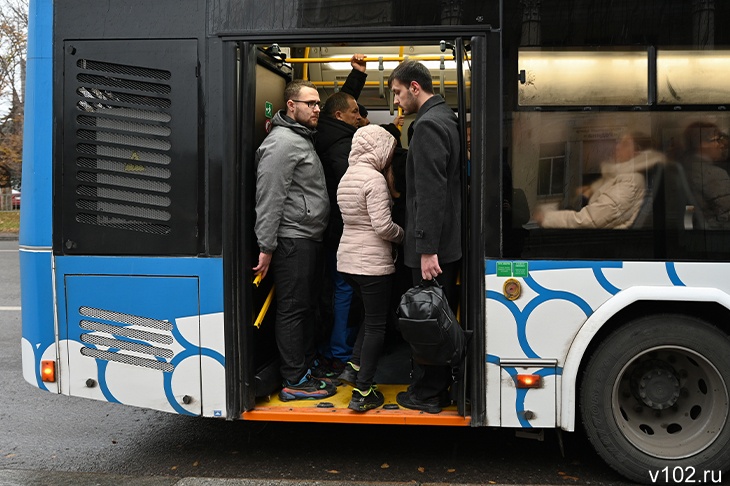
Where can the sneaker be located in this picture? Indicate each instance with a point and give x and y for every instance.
(364, 401)
(309, 388)
(408, 399)
(324, 373)
(349, 374)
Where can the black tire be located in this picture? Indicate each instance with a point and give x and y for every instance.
(654, 400)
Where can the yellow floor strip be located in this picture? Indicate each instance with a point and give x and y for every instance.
(334, 410)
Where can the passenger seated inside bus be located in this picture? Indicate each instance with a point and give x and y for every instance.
(614, 200)
(706, 151)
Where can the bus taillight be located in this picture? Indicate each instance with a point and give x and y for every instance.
(48, 370)
(529, 381)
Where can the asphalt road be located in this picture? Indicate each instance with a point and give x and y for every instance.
(53, 439)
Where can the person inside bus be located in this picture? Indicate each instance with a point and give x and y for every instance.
(339, 119)
(433, 209)
(292, 209)
(614, 199)
(365, 254)
(364, 121)
(707, 149)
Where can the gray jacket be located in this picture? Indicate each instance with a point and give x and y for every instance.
(291, 194)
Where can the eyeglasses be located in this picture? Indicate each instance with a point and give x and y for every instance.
(721, 138)
(310, 104)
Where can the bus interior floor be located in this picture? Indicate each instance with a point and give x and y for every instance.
(392, 377)
(334, 409)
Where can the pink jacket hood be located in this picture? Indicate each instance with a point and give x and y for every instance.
(372, 144)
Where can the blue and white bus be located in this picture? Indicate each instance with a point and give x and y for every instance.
(137, 243)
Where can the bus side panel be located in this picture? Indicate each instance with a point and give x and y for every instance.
(560, 307)
(35, 216)
(39, 336)
(152, 340)
(38, 331)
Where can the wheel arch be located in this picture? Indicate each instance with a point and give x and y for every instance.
(709, 304)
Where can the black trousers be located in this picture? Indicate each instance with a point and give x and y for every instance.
(432, 381)
(295, 265)
(374, 290)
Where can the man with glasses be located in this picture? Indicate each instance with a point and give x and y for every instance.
(707, 149)
(292, 209)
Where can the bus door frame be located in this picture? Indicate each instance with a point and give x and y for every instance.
(238, 193)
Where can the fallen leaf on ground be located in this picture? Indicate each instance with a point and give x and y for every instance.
(421, 469)
(333, 471)
(451, 470)
(385, 465)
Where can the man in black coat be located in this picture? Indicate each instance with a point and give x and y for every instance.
(338, 122)
(433, 209)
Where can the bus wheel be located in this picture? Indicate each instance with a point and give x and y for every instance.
(654, 400)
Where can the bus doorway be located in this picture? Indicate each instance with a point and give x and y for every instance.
(263, 70)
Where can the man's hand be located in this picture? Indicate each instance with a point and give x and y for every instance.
(430, 266)
(263, 267)
(357, 61)
(398, 121)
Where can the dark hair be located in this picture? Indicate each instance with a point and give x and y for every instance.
(393, 130)
(363, 111)
(294, 87)
(337, 102)
(698, 132)
(409, 71)
(641, 140)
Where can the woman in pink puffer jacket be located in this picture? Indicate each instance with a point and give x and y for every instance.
(365, 255)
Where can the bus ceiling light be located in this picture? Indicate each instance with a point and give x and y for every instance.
(48, 370)
(529, 381)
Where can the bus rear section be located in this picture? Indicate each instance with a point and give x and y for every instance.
(137, 229)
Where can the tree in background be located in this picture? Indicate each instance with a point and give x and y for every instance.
(13, 47)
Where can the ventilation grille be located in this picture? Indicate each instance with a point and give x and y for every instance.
(123, 161)
(126, 338)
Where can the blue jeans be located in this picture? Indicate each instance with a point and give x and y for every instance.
(341, 339)
(294, 267)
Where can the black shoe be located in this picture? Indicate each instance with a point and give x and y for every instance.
(444, 399)
(310, 389)
(364, 401)
(348, 375)
(323, 372)
(408, 399)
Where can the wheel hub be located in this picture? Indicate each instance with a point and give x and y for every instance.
(656, 384)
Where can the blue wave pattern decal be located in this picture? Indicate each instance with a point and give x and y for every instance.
(563, 286)
(140, 327)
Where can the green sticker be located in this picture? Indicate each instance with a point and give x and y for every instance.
(504, 269)
(520, 269)
(269, 110)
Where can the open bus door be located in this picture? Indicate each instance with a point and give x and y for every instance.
(260, 86)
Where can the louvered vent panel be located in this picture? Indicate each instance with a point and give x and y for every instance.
(131, 160)
(126, 338)
(113, 200)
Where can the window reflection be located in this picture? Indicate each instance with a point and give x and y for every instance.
(680, 161)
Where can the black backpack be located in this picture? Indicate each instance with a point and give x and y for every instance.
(430, 327)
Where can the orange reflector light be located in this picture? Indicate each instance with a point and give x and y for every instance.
(529, 381)
(48, 370)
